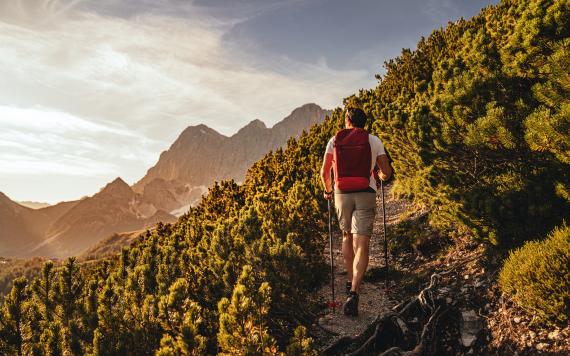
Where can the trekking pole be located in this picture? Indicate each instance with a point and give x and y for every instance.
(333, 303)
(385, 239)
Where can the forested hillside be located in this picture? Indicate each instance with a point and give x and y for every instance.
(199, 157)
(477, 120)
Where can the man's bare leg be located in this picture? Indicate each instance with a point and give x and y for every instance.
(348, 254)
(361, 248)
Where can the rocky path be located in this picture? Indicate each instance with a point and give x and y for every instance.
(373, 296)
(479, 321)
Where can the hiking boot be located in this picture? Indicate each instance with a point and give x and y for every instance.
(348, 288)
(350, 307)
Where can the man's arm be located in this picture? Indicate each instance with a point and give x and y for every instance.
(385, 169)
(326, 173)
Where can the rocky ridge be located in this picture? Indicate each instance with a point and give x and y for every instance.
(200, 156)
(195, 160)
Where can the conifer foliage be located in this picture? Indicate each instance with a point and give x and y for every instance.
(235, 275)
(537, 275)
(476, 119)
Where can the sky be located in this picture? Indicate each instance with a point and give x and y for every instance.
(91, 90)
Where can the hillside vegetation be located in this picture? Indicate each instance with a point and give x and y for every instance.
(11, 269)
(538, 274)
(477, 122)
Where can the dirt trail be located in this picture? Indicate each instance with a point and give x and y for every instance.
(373, 299)
(494, 325)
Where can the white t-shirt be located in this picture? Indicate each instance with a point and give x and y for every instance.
(377, 148)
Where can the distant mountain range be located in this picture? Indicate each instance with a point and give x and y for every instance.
(23, 228)
(199, 157)
(116, 208)
(68, 228)
(34, 204)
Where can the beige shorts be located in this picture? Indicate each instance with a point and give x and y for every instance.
(356, 212)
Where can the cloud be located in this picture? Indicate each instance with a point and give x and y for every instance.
(35, 13)
(40, 141)
(102, 87)
(156, 74)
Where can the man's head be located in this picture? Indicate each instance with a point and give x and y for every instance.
(354, 117)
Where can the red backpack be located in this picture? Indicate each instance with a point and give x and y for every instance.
(353, 158)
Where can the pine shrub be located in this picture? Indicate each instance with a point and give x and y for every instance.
(301, 344)
(537, 276)
(476, 119)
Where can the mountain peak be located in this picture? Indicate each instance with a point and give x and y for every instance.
(118, 181)
(117, 187)
(256, 123)
(199, 129)
(307, 108)
(304, 116)
(253, 126)
(196, 134)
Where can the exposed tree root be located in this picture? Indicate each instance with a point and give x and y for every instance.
(410, 330)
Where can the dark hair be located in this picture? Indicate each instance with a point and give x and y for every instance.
(356, 116)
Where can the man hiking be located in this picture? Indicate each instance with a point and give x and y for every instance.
(353, 153)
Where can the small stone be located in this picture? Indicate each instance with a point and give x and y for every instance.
(532, 335)
(448, 300)
(466, 276)
(542, 346)
(517, 320)
(554, 335)
(470, 327)
(325, 320)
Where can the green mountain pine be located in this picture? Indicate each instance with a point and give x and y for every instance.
(476, 119)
